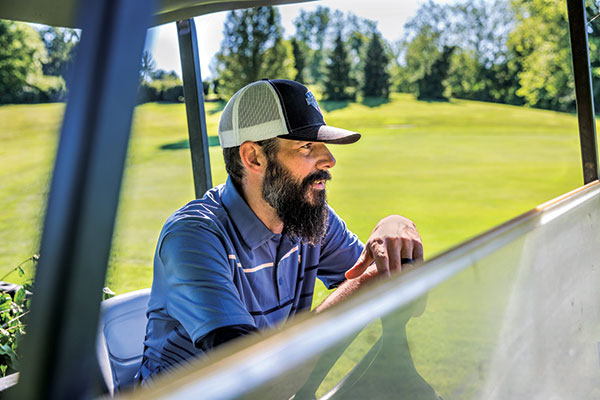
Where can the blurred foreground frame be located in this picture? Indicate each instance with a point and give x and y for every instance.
(59, 356)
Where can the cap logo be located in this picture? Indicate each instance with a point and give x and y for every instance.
(311, 101)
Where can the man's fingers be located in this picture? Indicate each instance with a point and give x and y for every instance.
(407, 248)
(406, 252)
(394, 250)
(418, 252)
(381, 258)
(360, 265)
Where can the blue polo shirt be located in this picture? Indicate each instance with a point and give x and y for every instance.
(216, 264)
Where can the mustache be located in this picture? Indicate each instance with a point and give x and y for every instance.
(316, 176)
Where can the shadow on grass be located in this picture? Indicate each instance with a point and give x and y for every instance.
(220, 106)
(373, 102)
(332, 105)
(185, 144)
(434, 100)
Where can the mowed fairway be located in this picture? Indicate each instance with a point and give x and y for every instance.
(455, 168)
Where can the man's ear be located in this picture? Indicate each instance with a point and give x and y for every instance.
(253, 157)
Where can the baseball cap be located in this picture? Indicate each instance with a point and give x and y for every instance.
(277, 108)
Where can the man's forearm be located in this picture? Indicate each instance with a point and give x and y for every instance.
(346, 289)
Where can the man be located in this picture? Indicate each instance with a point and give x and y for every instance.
(245, 257)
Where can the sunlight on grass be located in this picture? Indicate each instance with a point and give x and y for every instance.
(454, 168)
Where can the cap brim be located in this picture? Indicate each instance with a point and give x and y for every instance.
(331, 134)
(323, 133)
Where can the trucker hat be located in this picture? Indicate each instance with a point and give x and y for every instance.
(277, 108)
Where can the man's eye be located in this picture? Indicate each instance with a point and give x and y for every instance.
(307, 146)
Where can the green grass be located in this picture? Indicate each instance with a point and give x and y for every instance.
(455, 168)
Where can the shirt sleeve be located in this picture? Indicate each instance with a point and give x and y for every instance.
(222, 335)
(200, 292)
(339, 251)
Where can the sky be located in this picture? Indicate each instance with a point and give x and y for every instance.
(390, 15)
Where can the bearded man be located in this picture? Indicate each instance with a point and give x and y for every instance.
(245, 257)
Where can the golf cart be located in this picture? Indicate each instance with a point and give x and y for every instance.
(524, 326)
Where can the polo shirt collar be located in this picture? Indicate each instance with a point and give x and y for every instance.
(252, 230)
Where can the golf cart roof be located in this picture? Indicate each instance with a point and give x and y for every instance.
(64, 12)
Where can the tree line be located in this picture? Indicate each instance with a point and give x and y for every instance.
(516, 52)
(34, 64)
(509, 51)
(345, 55)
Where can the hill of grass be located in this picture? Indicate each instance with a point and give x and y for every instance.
(454, 168)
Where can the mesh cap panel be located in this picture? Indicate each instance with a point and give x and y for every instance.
(254, 114)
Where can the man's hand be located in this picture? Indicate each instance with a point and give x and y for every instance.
(394, 242)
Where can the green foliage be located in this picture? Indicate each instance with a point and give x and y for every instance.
(311, 30)
(337, 73)
(253, 48)
(22, 54)
(469, 79)
(61, 45)
(431, 85)
(421, 53)
(357, 32)
(540, 43)
(14, 310)
(49, 88)
(13, 319)
(481, 67)
(376, 78)
(300, 52)
(169, 89)
(147, 67)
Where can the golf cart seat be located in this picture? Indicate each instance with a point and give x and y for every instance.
(120, 341)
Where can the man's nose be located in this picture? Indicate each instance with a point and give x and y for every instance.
(326, 159)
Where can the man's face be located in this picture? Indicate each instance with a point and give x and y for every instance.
(294, 185)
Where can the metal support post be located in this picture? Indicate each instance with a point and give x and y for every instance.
(583, 89)
(59, 352)
(194, 105)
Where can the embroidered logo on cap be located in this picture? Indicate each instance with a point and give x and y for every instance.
(311, 101)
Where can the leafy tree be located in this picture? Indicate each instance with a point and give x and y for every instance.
(482, 28)
(22, 53)
(337, 72)
(357, 32)
(421, 53)
(431, 85)
(300, 51)
(541, 45)
(376, 78)
(464, 80)
(168, 88)
(61, 45)
(469, 79)
(311, 29)
(148, 67)
(162, 74)
(252, 49)
(481, 66)
(399, 72)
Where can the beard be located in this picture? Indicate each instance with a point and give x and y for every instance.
(301, 218)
